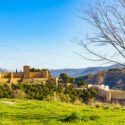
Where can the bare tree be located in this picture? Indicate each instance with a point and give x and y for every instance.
(106, 41)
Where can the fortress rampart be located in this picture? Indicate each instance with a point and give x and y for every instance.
(117, 95)
(109, 95)
(26, 75)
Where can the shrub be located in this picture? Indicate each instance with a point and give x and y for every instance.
(73, 117)
(55, 97)
(77, 102)
(15, 86)
(59, 97)
(94, 117)
(107, 107)
(45, 91)
(64, 98)
(98, 105)
(86, 95)
(65, 78)
(93, 92)
(82, 84)
(117, 107)
(18, 94)
(6, 91)
(60, 89)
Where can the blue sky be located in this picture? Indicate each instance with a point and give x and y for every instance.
(38, 33)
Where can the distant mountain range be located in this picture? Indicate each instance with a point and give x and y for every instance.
(81, 72)
(3, 70)
(76, 72)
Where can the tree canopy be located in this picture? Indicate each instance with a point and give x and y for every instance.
(67, 79)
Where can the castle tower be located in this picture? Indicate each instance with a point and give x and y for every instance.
(108, 96)
(26, 70)
(11, 77)
(45, 73)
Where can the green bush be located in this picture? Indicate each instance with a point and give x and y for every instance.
(93, 92)
(66, 79)
(18, 94)
(117, 107)
(6, 91)
(94, 117)
(107, 107)
(73, 117)
(82, 84)
(64, 98)
(43, 91)
(98, 105)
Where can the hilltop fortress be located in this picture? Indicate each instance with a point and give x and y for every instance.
(27, 76)
(42, 76)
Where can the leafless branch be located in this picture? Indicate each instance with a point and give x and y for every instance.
(108, 20)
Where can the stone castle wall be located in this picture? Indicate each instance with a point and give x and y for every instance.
(101, 92)
(5, 75)
(8, 75)
(18, 75)
(26, 71)
(43, 74)
(111, 94)
(117, 94)
(26, 74)
(12, 77)
(35, 75)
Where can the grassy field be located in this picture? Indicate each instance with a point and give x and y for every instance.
(33, 112)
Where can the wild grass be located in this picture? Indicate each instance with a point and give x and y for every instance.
(34, 112)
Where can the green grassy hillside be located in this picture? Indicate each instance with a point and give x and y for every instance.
(33, 112)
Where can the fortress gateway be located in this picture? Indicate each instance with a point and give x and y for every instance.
(27, 76)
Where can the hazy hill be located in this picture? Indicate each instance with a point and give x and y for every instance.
(80, 72)
(3, 70)
(114, 78)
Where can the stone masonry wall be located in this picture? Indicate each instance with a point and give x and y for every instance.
(5, 75)
(117, 94)
(17, 75)
(111, 94)
(36, 75)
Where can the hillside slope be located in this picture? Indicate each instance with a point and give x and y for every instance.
(34, 112)
(114, 78)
